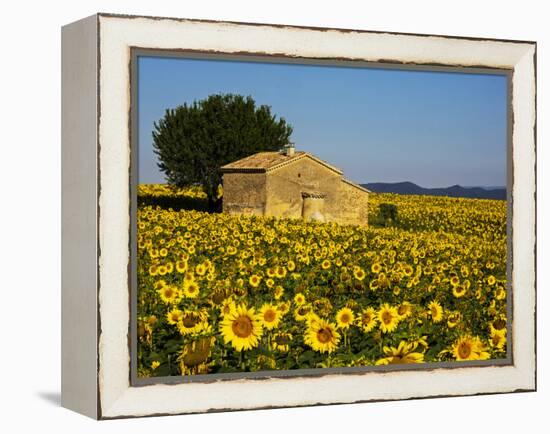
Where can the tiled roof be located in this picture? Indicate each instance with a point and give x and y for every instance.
(268, 161)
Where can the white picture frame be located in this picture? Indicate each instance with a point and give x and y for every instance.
(96, 180)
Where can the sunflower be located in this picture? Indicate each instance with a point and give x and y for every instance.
(281, 342)
(404, 353)
(498, 340)
(169, 294)
(455, 281)
(200, 270)
(453, 319)
(278, 292)
(344, 318)
(254, 280)
(181, 266)
(469, 348)
(388, 317)
(325, 265)
(408, 270)
(498, 325)
(322, 336)
(284, 307)
(188, 277)
(359, 273)
(159, 284)
(299, 299)
(192, 322)
(459, 291)
(291, 265)
(174, 316)
(368, 319)
(270, 316)
(242, 328)
(323, 306)
(491, 280)
(312, 318)
(301, 312)
(500, 293)
(435, 311)
(404, 310)
(227, 306)
(190, 289)
(376, 268)
(281, 272)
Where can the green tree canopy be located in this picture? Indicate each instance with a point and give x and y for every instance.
(194, 140)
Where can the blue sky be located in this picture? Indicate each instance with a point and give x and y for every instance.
(379, 125)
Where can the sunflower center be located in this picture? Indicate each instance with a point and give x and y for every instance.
(281, 340)
(168, 293)
(190, 321)
(464, 350)
(218, 297)
(242, 327)
(324, 335)
(269, 315)
(386, 317)
(499, 324)
(366, 318)
(402, 310)
(345, 318)
(303, 310)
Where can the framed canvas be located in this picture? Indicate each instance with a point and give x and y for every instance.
(262, 216)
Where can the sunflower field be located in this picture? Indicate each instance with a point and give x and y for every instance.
(220, 293)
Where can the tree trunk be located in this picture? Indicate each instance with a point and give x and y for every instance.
(214, 204)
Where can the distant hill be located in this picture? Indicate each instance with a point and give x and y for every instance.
(498, 193)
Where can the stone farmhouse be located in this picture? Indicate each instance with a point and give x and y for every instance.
(292, 184)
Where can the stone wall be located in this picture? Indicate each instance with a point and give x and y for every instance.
(286, 185)
(244, 193)
(279, 193)
(353, 205)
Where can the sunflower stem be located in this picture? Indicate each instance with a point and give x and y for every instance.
(346, 339)
(241, 360)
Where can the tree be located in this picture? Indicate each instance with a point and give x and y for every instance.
(388, 213)
(193, 141)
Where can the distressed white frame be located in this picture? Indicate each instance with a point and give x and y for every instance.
(114, 397)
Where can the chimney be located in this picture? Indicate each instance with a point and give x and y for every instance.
(289, 149)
